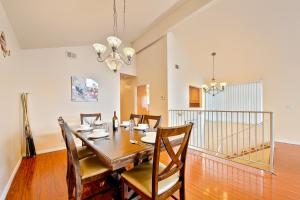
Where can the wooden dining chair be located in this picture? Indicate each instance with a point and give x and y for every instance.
(147, 119)
(136, 118)
(82, 152)
(82, 171)
(93, 116)
(153, 180)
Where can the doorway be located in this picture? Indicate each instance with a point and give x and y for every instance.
(143, 99)
(127, 96)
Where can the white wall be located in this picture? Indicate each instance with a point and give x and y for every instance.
(48, 81)
(10, 146)
(151, 68)
(180, 79)
(254, 40)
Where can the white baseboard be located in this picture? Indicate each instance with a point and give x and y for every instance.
(10, 180)
(50, 150)
(287, 142)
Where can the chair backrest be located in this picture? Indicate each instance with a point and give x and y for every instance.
(148, 118)
(136, 118)
(72, 151)
(177, 163)
(92, 116)
(61, 124)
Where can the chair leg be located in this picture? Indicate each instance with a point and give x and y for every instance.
(68, 171)
(71, 183)
(78, 192)
(123, 189)
(182, 192)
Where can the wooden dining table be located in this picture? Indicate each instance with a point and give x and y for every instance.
(117, 151)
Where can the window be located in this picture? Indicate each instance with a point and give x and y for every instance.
(238, 97)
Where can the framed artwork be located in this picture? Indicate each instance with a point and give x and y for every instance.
(84, 89)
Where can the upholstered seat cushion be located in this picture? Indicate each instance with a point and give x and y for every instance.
(83, 152)
(91, 166)
(141, 178)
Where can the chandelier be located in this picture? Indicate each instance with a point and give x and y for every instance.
(114, 59)
(215, 87)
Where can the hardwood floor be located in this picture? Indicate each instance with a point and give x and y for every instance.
(207, 178)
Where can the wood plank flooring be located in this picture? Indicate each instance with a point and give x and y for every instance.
(207, 178)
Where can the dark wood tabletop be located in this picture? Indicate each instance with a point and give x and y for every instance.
(116, 150)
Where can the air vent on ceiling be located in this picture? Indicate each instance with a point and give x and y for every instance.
(71, 55)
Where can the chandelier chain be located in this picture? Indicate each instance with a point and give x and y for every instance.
(115, 15)
(124, 16)
(213, 54)
(115, 59)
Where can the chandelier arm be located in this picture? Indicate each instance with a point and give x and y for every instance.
(125, 60)
(100, 59)
(214, 90)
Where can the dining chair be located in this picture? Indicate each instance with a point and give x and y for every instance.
(153, 180)
(147, 119)
(92, 116)
(82, 152)
(84, 170)
(136, 118)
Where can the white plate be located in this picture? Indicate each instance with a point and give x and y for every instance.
(85, 129)
(99, 130)
(140, 128)
(151, 137)
(95, 135)
(98, 123)
(151, 134)
(148, 139)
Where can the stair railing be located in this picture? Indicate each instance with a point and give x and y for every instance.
(242, 136)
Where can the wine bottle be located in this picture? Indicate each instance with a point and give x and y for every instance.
(115, 122)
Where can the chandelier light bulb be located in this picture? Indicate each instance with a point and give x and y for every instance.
(223, 84)
(113, 63)
(114, 41)
(129, 52)
(99, 48)
(204, 86)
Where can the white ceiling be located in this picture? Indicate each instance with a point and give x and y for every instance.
(56, 23)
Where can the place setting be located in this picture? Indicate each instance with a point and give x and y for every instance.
(94, 132)
(85, 128)
(98, 134)
(141, 127)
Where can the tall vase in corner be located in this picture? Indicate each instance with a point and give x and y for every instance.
(30, 148)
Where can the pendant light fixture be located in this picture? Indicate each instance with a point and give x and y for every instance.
(214, 87)
(114, 59)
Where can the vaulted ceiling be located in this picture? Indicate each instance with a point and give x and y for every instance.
(56, 23)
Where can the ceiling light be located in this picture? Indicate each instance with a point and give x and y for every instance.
(114, 59)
